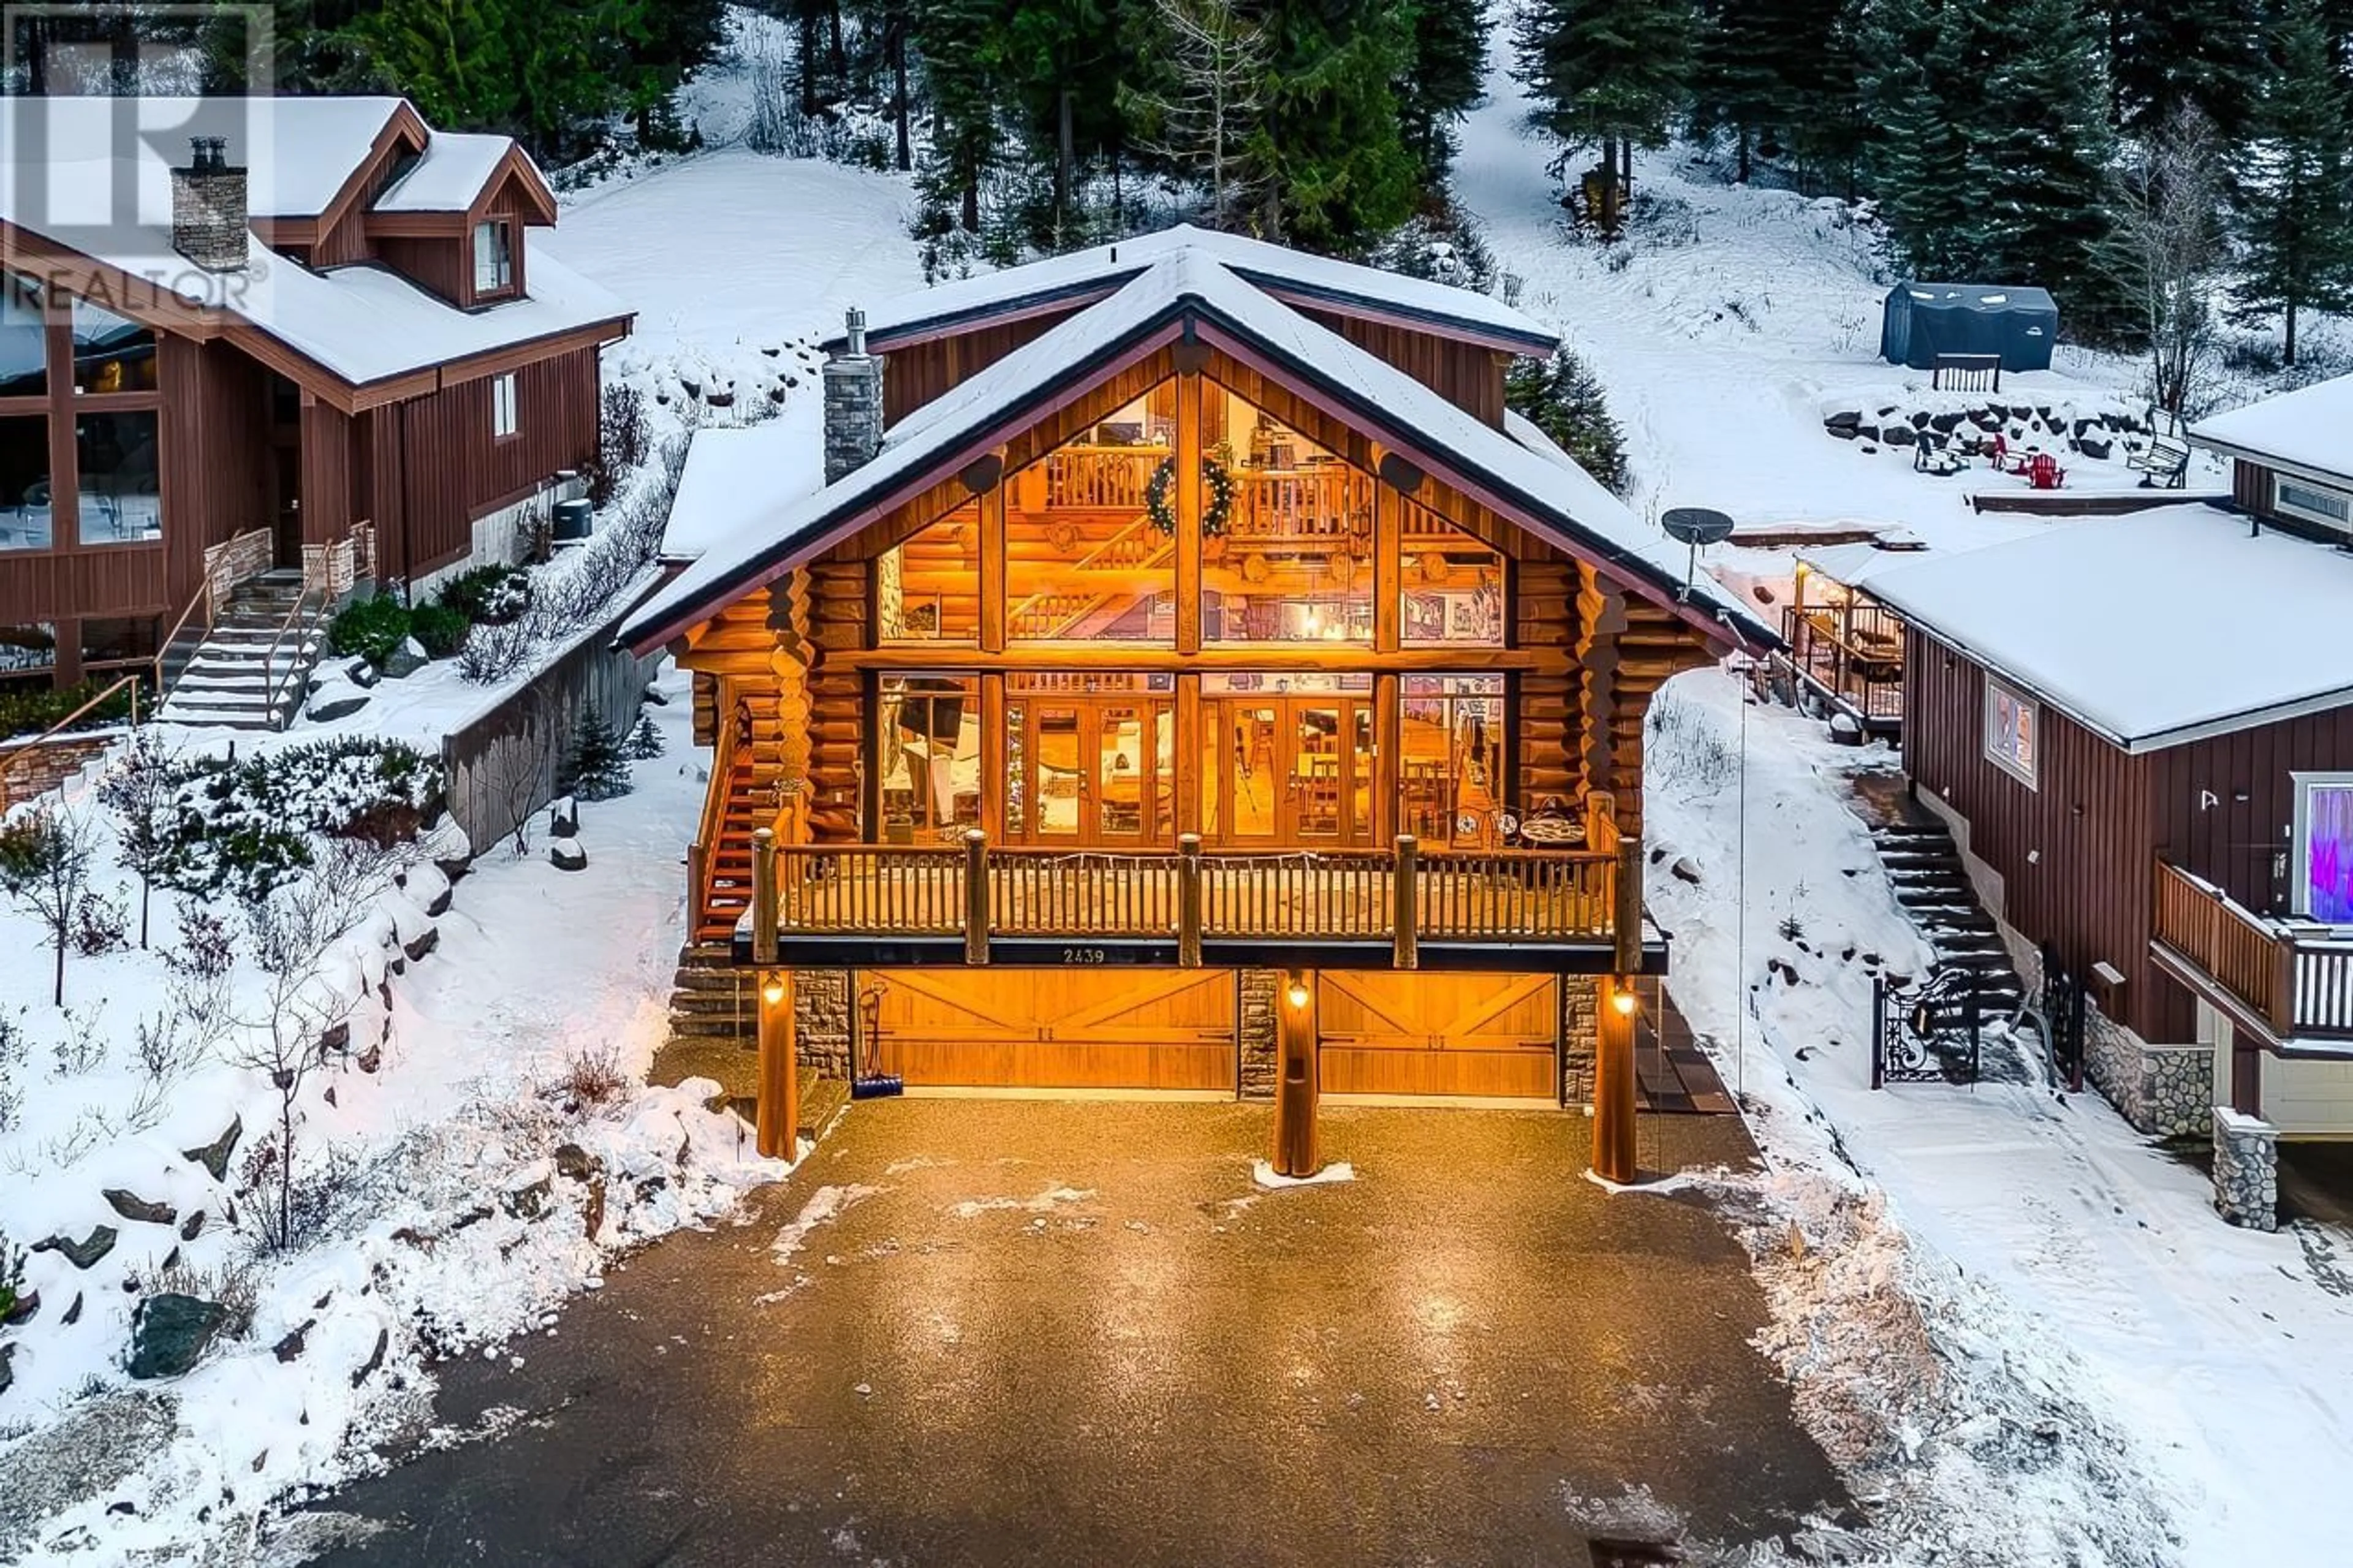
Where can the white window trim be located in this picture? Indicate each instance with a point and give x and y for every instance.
(2299, 891)
(2280, 503)
(490, 277)
(2024, 775)
(506, 414)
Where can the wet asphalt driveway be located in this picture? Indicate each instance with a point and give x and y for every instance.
(1073, 1333)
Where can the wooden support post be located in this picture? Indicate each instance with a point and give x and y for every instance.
(1405, 911)
(975, 895)
(993, 761)
(1188, 754)
(993, 600)
(1295, 1150)
(777, 1128)
(1389, 549)
(1189, 899)
(1625, 913)
(1613, 1080)
(764, 895)
(1189, 502)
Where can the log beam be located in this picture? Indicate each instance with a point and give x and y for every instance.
(778, 1115)
(1613, 1080)
(1296, 1150)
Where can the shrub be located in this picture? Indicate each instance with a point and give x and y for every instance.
(100, 926)
(439, 629)
(644, 741)
(244, 826)
(12, 1275)
(29, 711)
(622, 440)
(493, 653)
(1562, 399)
(592, 1075)
(371, 629)
(487, 595)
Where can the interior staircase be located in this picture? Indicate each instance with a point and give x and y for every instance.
(1933, 886)
(253, 667)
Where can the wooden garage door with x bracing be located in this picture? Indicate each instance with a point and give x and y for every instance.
(1418, 1033)
(1053, 1028)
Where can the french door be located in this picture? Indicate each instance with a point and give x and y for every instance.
(1288, 770)
(1091, 772)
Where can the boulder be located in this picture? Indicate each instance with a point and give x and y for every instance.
(73, 1311)
(422, 941)
(529, 1199)
(291, 1346)
(657, 697)
(375, 1357)
(7, 1373)
(193, 1227)
(563, 817)
(84, 1253)
(1868, 432)
(22, 1312)
(1901, 435)
(361, 674)
(214, 1156)
(1682, 870)
(406, 660)
(170, 1332)
(446, 846)
(575, 1164)
(427, 889)
(1843, 421)
(2096, 447)
(1843, 432)
(1945, 424)
(1920, 419)
(566, 855)
(333, 701)
(132, 1207)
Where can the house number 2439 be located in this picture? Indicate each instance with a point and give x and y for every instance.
(1086, 955)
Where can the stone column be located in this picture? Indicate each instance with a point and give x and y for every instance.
(2246, 1169)
(1261, 989)
(1579, 1031)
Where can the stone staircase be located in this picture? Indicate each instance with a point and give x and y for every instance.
(1933, 886)
(714, 1033)
(234, 680)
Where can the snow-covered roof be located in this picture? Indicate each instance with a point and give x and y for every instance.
(362, 323)
(1990, 297)
(1853, 564)
(1544, 491)
(2152, 629)
(735, 473)
(450, 173)
(298, 153)
(2311, 428)
(1295, 275)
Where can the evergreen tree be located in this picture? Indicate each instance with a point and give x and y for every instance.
(596, 768)
(1610, 74)
(2297, 210)
(2043, 152)
(1443, 79)
(1563, 398)
(1200, 109)
(1327, 155)
(1780, 76)
(2207, 52)
(960, 43)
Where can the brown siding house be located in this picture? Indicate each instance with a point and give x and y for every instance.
(332, 347)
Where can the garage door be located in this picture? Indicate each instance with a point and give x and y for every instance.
(1054, 1029)
(1494, 1036)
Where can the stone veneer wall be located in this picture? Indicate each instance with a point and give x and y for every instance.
(2167, 1091)
(821, 1019)
(2246, 1170)
(1581, 1013)
(1260, 988)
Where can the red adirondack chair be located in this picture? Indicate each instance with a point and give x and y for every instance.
(2043, 473)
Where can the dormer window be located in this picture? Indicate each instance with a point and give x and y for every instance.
(493, 257)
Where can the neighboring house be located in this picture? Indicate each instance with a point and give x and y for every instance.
(2141, 732)
(1146, 598)
(321, 343)
(2292, 459)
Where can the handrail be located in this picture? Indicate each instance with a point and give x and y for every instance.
(301, 611)
(203, 595)
(19, 752)
(713, 822)
(2301, 987)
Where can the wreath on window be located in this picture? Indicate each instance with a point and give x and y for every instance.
(1160, 502)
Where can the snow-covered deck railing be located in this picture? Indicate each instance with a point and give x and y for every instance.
(1400, 895)
(2298, 983)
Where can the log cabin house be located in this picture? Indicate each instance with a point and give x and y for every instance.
(317, 346)
(2140, 729)
(1186, 676)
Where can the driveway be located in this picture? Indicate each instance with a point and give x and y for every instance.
(1017, 1332)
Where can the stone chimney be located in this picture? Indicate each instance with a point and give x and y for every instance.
(853, 403)
(209, 207)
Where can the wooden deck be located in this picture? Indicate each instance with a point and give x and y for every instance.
(1382, 904)
(2289, 984)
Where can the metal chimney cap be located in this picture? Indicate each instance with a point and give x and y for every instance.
(855, 320)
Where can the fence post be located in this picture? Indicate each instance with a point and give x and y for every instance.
(1189, 899)
(1405, 913)
(764, 895)
(975, 895)
(1878, 1032)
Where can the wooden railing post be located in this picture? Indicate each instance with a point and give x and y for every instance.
(2283, 997)
(1404, 904)
(975, 895)
(1189, 899)
(764, 895)
(1626, 907)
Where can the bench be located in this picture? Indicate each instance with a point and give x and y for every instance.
(1966, 372)
(2165, 464)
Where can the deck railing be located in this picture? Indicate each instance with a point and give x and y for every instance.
(976, 891)
(2299, 982)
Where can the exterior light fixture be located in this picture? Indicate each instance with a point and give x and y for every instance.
(1624, 1002)
(1298, 993)
(772, 990)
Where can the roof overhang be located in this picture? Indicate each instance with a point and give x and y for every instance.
(2261, 460)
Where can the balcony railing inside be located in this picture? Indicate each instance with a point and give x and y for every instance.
(1850, 653)
(2297, 979)
(1401, 897)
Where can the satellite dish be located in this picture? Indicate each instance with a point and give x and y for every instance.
(1694, 526)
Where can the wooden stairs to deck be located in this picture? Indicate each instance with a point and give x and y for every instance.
(726, 892)
(1933, 886)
